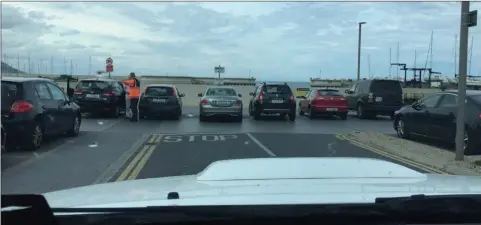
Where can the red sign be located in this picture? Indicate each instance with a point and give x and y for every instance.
(109, 61)
(109, 68)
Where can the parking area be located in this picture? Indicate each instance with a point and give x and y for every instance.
(116, 149)
(164, 155)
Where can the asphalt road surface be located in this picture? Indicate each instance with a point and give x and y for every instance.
(116, 149)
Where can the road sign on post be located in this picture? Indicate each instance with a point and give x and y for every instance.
(219, 69)
(110, 65)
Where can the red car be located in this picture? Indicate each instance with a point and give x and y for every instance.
(323, 102)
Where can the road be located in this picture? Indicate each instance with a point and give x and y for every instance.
(117, 149)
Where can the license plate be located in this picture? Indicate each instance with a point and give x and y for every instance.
(222, 103)
(331, 109)
(93, 96)
(378, 99)
(277, 101)
(158, 100)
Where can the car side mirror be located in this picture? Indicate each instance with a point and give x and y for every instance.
(199, 95)
(251, 93)
(349, 92)
(416, 105)
(182, 95)
(240, 96)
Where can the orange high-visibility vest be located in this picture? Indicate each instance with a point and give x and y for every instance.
(134, 87)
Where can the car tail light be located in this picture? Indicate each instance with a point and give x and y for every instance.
(204, 101)
(78, 92)
(479, 116)
(261, 96)
(109, 93)
(21, 107)
(292, 97)
(174, 92)
(238, 102)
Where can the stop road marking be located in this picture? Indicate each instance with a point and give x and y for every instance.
(193, 138)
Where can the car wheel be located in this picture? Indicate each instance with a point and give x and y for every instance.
(301, 113)
(312, 114)
(361, 114)
(115, 112)
(239, 118)
(343, 116)
(201, 117)
(469, 144)
(257, 114)
(250, 111)
(75, 128)
(401, 129)
(292, 116)
(34, 141)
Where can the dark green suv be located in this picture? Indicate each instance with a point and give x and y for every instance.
(375, 97)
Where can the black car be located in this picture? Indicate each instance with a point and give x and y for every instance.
(272, 98)
(375, 97)
(100, 96)
(435, 117)
(161, 100)
(36, 107)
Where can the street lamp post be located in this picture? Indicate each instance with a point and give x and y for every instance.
(359, 51)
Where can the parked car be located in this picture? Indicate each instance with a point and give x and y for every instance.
(160, 100)
(220, 101)
(323, 102)
(100, 96)
(272, 98)
(435, 117)
(33, 108)
(375, 97)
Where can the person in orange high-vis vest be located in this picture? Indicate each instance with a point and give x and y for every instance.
(134, 95)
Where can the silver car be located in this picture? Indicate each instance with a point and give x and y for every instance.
(220, 101)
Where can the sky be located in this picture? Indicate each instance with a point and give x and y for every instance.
(282, 41)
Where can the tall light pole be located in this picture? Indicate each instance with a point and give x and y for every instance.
(359, 50)
(466, 22)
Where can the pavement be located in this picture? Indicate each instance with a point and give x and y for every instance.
(116, 149)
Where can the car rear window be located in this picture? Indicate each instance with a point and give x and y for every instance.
(383, 86)
(10, 93)
(89, 85)
(476, 98)
(277, 89)
(329, 92)
(221, 92)
(159, 91)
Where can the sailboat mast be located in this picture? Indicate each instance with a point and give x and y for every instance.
(390, 61)
(455, 54)
(397, 60)
(471, 55)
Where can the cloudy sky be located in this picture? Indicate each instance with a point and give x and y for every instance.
(289, 41)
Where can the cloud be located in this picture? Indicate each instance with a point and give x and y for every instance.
(273, 40)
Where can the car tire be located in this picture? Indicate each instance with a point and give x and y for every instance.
(401, 130)
(257, 114)
(343, 116)
(292, 116)
(202, 117)
(34, 141)
(239, 119)
(75, 128)
(312, 115)
(301, 113)
(470, 149)
(250, 111)
(115, 113)
(360, 113)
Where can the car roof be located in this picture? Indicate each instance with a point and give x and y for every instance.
(160, 85)
(468, 92)
(24, 79)
(99, 79)
(274, 83)
(229, 87)
(326, 89)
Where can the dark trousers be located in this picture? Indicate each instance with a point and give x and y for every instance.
(134, 107)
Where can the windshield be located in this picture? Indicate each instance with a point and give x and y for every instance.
(277, 89)
(238, 102)
(89, 85)
(383, 86)
(220, 92)
(329, 93)
(10, 93)
(159, 91)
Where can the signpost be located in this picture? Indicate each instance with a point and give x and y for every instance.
(219, 69)
(109, 67)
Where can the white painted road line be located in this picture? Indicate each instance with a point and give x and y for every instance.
(269, 152)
